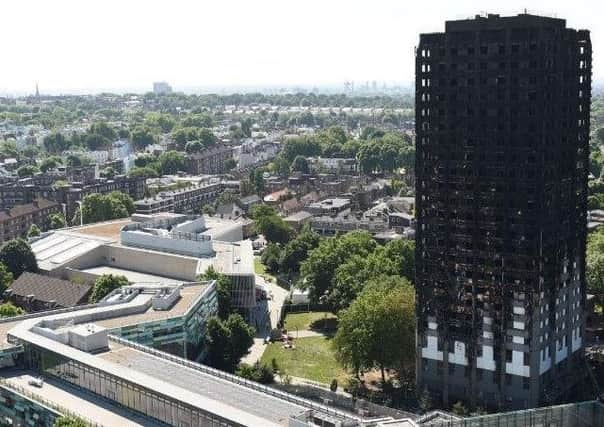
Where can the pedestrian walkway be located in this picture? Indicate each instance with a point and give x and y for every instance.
(265, 317)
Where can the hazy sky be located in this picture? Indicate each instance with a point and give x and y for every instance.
(91, 44)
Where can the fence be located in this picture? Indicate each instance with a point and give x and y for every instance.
(301, 308)
(583, 414)
(348, 403)
(305, 403)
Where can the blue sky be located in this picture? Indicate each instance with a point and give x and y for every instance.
(70, 45)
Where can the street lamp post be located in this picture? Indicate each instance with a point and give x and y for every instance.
(79, 202)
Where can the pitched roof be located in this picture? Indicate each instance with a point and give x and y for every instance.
(20, 210)
(45, 288)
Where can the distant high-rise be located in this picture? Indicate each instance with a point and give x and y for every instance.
(502, 121)
(161, 88)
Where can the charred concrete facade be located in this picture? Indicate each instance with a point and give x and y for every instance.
(502, 121)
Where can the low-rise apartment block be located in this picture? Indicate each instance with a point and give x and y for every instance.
(16, 221)
(180, 201)
(210, 161)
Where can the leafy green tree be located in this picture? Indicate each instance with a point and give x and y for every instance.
(171, 162)
(6, 277)
(242, 337)
(8, 309)
(31, 152)
(146, 172)
(402, 253)
(69, 422)
(271, 256)
(164, 122)
(228, 341)
(600, 135)
(300, 164)
(257, 180)
(105, 284)
(206, 137)
(104, 130)
(198, 121)
(141, 136)
(18, 257)
(55, 142)
(108, 172)
(280, 166)
(34, 231)
(297, 250)
(77, 160)
(272, 226)
(182, 136)
(319, 268)
(218, 344)
(57, 221)
(49, 163)
(145, 159)
(193, 147)
(595, 265)
(27, 170)
(94, 142)
(257, 372)
(223, 291)
(125, 200)
(98, 207)
(300, 146)
(246, 127)
(378, 329)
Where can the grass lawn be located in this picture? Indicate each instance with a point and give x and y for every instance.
(260, 269)
(304, 321)
(313, 358)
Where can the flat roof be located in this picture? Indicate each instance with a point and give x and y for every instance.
(93, 408)
(334, 202)
(298, 216)
(188, 295)
(109, 230)
(254, 403)
(170, 379)
(132, 276)
(230, 258)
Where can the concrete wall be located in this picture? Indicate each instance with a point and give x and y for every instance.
(167, 244)
(161, 264)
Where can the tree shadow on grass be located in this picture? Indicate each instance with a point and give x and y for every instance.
(327, 326)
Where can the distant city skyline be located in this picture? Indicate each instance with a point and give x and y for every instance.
(87, 47)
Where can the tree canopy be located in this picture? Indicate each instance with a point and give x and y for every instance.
(317, 271)
(171, 162)
(228, 341)
(69, 422)
(8, 309)
(6, 278)
(105, 284)
(272, 226)
(18, 257)
(223, 291)
(57, 221)
(336, 271)
(378, 328)
(386, 153)
(104, 207)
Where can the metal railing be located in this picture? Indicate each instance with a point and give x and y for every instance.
(234, 379)
(45, 403)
